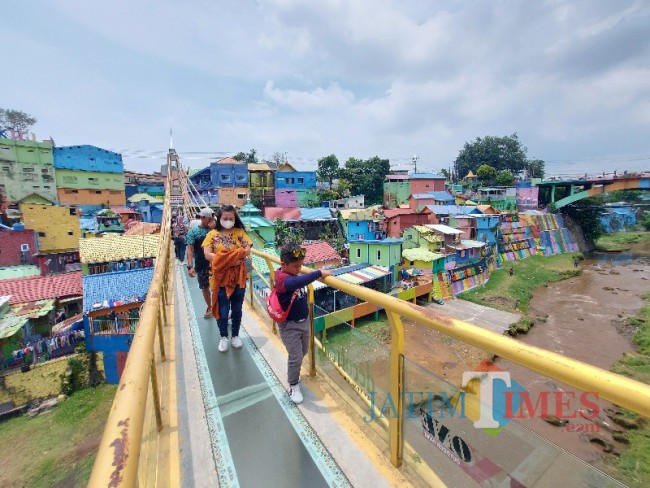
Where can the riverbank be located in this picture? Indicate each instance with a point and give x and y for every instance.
(633, 465)
(622, 241)
(511, 288)
(57, 448)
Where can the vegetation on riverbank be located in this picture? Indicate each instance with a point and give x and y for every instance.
(56, 448)
(513, 293)
(633, 465)
(621, 241)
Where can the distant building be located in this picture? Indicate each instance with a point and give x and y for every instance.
(57, 227)
(321, 254)
(89, 175)
(26, 168)
(259, 228)
(398, 187)
(303, 183)
(224, 182)
(18, 247)
(152, 184)
(398, 219)
(261, 178)
(356, 202)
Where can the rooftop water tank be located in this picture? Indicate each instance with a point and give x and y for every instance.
(18, 226)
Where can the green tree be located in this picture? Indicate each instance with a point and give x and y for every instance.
(16, 120)
(486, 172)
(586, 214)
(505, 178)
(334, 239)
(535, 168)
(284, 233)
(327, 196)
(502, 153)
(367, 177)
(645, 221)
(328, 169)
(247, 158)
(278, 158)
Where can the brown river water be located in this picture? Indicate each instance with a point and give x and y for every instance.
(581, 323)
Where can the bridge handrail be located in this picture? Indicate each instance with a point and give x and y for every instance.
(118, 455)
(620, 390)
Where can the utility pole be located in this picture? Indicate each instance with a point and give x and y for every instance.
(415, 163)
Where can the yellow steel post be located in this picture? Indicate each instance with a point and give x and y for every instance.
(312, 348)
(156, 394)
(250, 286)
(161, 338)
(395, 421)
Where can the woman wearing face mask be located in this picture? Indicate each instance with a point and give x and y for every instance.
(227, 247)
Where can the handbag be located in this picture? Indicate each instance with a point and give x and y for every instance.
(274, 308)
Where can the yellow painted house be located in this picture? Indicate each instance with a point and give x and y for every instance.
(57, 227)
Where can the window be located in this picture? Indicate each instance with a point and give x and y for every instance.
(73, 211)
(378, 254)
(301, 181)
(93, 181)
(358, 252)
(225, 178)
(69, 179)
(28, 170)
(412, 263)
(45, 170)
(241, 196)
(70, 233)
(241, 177)
(41, 234)
(98, 192)
(290, 181)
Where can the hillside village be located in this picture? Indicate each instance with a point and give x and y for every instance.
(79, 239)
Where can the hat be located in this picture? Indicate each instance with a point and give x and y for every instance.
(206, 212)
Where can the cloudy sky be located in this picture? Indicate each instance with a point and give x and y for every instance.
(354, 78)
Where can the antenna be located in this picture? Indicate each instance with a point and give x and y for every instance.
(415, 163)
(171, 139)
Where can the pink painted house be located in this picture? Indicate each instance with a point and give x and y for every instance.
(286, 198)
(398, 219)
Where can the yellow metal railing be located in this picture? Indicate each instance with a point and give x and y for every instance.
(615, 388)
(117, 462)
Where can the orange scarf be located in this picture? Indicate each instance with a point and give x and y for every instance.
(227, 274)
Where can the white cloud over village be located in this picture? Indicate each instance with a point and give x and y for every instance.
(355, 79)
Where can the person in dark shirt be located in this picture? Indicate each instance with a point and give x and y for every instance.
(294, 332)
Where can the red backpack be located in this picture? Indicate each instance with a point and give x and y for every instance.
(274, 308)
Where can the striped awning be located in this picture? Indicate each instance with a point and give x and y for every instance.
(364, 275)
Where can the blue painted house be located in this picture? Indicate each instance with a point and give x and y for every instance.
(111, 313)
(297, 180)
(486, 228)
(87, 158)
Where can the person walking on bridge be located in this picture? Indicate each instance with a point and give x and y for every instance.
(197, 264)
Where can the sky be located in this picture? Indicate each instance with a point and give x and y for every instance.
(354, 78)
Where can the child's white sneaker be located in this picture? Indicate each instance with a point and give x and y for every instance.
(236, 342)
(223, 344)
(295, 394)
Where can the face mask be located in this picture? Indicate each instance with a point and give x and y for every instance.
(227, 224)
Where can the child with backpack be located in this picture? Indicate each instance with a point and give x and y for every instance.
(291, 290)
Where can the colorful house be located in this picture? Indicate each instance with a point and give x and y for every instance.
(321, 254)
(422, 236)
(386, 253)
(89, 175)
(417, 201)
(258, 227)
(398, 219)
(302, 182)
(427, 183)
(19, 246)
(314, 221)
(111, 314)
(362, 224)
(424, 259)
(57, 227)
(114, 253)
(397, 190)
(261, 183)
(356, 202)
(26, 168)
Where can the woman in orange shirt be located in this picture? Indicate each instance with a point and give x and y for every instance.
(227, 247)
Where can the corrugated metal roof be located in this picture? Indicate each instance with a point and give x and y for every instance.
(117, 248)
(364, 275)
(445, 209)
(22, 271)
(427, 176)
(421, 254)
(472, 244)
(318, 213)
(103, 290)
(444, 229)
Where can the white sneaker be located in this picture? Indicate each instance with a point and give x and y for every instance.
(223, 344)
(295, 394)
(236, 342)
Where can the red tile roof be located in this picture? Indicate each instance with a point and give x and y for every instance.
(392, 212)
(124, 210)
(320, 252)
(273, 213)
(41, 287)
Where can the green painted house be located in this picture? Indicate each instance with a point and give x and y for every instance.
(385, 252)
(261, 230)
